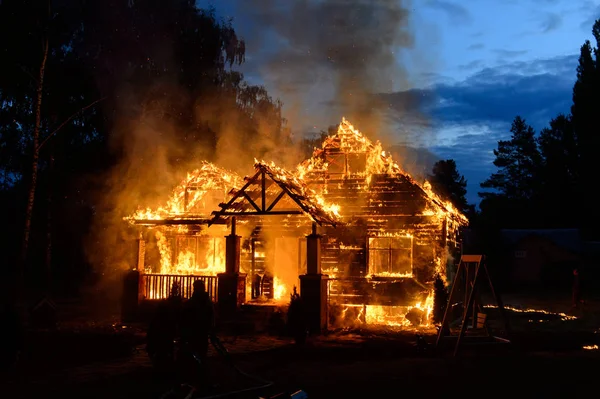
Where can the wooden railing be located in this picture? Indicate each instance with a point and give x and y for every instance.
(158, 286)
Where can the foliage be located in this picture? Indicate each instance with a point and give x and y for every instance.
(518, 161)
(440, 299)
(296, 318)
(586, 128)
(516, 183)
(559, 174)
(450, 184)
(111, 66)
(550, 174)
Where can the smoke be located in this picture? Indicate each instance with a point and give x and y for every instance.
(155, 153)
(333, 58)
(324, 59)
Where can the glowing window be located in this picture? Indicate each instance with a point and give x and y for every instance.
(390, 256)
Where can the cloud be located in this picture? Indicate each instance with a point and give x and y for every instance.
(592, 13)
(470, 117)
(537, 89)
(470, 66)
(550, 22)
(471, 146)
(456, 12)
(476, 46)
(509, 53)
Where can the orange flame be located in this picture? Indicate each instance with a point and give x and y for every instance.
(191, 193)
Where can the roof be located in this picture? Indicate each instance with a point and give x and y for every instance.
(348, 140)
(188, 199)
(566, 238)
(283, 191)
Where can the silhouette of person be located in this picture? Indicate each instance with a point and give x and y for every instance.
(197, 325)
(163, 329)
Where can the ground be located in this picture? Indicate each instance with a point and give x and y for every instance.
(547, 358)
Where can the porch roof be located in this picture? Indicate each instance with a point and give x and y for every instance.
(264, 191)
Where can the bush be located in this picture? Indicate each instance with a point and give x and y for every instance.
(440, 299)
(296, 319)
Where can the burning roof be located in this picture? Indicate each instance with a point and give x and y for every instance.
(274, 190)
(353, 144)
(190, 200)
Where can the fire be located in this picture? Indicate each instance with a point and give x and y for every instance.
(417, 315)
(280, 291)
(194, 196)
(394, 275)
(191, 193)
(351, 140)
(186, 262)
(563, 316)
(299, 187)
(591, 347)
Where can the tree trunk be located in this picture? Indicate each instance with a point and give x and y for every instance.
(49, 198)
(34, 171)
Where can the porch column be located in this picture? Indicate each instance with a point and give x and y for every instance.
(140, 263)
(231, 290)
(313, 286)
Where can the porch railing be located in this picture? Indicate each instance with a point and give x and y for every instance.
(158, 286)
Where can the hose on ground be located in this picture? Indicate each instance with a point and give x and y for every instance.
(222, 350)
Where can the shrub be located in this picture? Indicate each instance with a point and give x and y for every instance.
(440, 299)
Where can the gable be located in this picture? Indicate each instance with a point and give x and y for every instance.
(359, 173)
(276, 191)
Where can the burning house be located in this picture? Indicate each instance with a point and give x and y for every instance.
(184, 241)
(175, 243)
(397, 234)
(383, 236)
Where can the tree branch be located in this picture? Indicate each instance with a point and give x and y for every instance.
(68, 120)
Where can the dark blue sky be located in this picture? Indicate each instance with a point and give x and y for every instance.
(453, 74)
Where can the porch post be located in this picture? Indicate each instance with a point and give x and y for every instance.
(140, 266)
(231, 290)
(313, 286)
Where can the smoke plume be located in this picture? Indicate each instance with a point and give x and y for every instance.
(333, 55)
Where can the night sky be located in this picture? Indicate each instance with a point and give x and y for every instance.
(459, 73)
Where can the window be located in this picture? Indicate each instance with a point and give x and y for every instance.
(357, 163)
(337, 164)
(211, 254)
(390, 255)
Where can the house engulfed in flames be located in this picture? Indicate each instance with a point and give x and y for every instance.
(396, 234)
(385, 236)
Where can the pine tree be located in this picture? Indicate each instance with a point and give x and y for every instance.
(447, 182)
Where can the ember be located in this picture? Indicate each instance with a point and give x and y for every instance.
(563, 316)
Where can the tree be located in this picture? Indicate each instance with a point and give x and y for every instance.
(518, 161)
(559, 173)
(515, 184)
(449, 184)
(170, 61)
(586, 126)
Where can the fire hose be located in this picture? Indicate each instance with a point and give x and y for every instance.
(222, 350)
